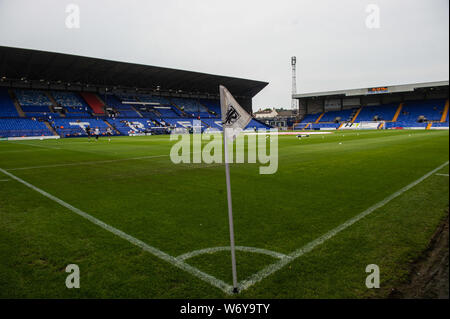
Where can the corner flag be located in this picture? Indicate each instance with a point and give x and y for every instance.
(234, 119)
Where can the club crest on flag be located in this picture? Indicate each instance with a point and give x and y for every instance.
(231, 116)
(234, 117)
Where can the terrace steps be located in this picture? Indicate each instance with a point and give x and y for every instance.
(178, 108)
(112, 127)
(429, 125)
(16, 103)
(136, 110)
(340, 125)
(320, 116)
(209, 111)
(397, 113)
(206, 124)
(50, 128)
(306, 126)
(356, 115)
(50, 97)
(445, 112)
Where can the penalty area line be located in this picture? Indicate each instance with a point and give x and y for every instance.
(92, 162)
(318, 241)
(154, 251)
(86, 163)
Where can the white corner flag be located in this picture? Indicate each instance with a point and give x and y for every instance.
(234, 120)
(234, 117)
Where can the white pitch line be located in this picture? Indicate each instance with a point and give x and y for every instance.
(86, 163)
(211, 250)
(442, 174)
(313, 244)
(91, 162)
(25, 151)
(156, 252)
(245, 284)
(35, 145)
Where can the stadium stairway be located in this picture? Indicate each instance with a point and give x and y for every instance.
(54, 103)
(397, 113)
(209, 111)
(320, 116)
(205, 123)
(306, 126)
(342, 124)
(429, 125)
(356, 115)
(50, 97)
(179, 109)
(112, 127)
(16, 103)
(137, 111)
(50, 128)
(444, 113)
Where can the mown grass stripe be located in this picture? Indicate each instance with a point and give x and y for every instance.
(318, 241)
(154, 251)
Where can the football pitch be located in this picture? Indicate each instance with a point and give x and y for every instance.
(140, 226)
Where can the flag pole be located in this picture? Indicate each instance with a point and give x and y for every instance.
(230, 205)
(230, 216)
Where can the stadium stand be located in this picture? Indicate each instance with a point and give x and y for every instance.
(151, 113)
(121, 109)
(215, 123)
(94, 102)
(255, 124)
(124, 98)
(143, 97)
(397, 112)
(72, 104)
(384, 112)
(76, 127)
(444, 117)
(160, 111)
(416, 111)
(167, 112)
(213, 106)
(153, 100)
(336, 116)
(7, 108)
(131, 125)
(192, 107)
(155, 111)
(32, 98)
(311, 118)
(43, 115)
(15, 127)
(440, 124)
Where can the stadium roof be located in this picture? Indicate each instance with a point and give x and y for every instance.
(374, 90)
(17, 64)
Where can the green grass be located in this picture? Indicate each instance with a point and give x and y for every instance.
(319, 184)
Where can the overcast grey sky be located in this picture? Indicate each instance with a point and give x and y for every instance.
(249, 38)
